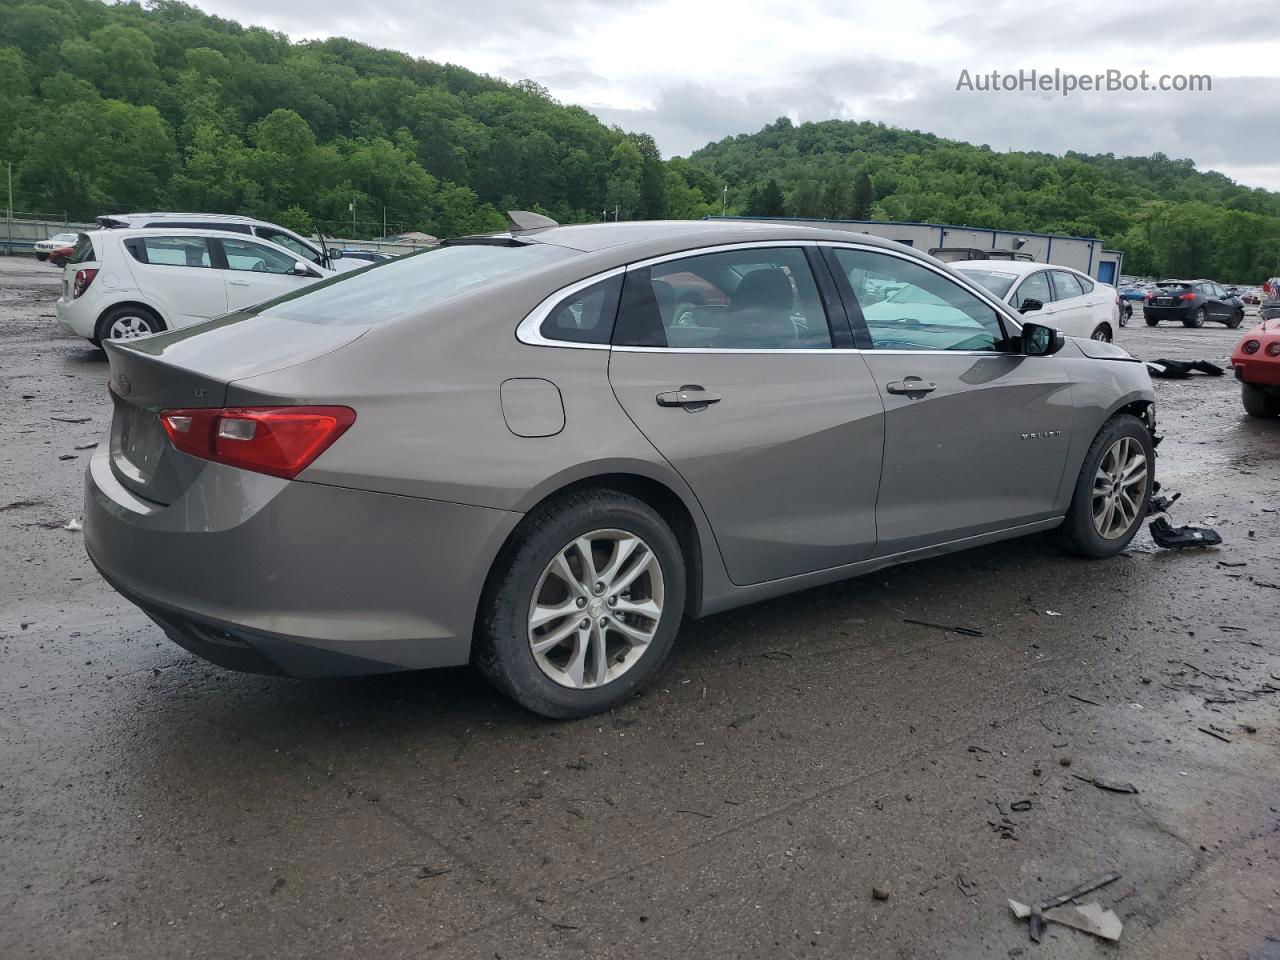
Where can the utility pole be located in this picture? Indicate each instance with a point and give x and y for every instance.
(9, 248)
(384, 221)
(724, 200)
(353, 218)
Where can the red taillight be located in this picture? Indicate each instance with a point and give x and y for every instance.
(1251, 346)
(1187, 296)
(281, 441)
(82, 281)
(1273, 348)
(1148, 296)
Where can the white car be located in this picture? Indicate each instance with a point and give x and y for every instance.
(1067, 299)
(331, 259)
(59, 240)
(123, 284)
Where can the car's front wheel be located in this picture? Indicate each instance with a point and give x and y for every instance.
(1258, 403)
(42, 257)
(1237, 318)
(583, 604)
(1101, 332)
(1112, 491)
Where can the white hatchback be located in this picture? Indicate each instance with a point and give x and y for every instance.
(123, 284)
(1060, 297)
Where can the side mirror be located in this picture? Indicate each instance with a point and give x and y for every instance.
(1029, 304)
(1041, 341)
(335, 253)
(301, 269)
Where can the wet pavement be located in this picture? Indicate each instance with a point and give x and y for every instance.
(789, 757)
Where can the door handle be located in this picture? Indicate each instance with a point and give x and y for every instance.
(911, 385)
(238, 283)
(689, 396)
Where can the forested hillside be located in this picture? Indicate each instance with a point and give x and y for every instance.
(124, 107)
(119, 107)
(1168, 217)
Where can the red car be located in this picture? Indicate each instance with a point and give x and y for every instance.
(60, 255)
(1257, 363)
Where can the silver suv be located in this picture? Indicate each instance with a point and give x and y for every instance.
(273, 232)
(514, 450)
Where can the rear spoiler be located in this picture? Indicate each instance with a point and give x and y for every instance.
(108, 222)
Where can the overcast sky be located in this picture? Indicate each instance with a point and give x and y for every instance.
(694, 71)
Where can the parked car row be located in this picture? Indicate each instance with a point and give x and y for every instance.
(346, 479)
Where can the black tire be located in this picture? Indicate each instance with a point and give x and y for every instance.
(1258, 403)
(1078, 534)
(1197, 319)
(1237, 318)
(1151, 321)
(1101, 332)
(42, 257)
(1126, 315)
(58, 261)
(148, 316)
(502, 649)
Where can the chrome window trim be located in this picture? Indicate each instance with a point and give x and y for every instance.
(530, 329)
(529, 332)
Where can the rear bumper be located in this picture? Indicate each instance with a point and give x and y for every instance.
(1168, 313)
(274, 576)
(74, 318)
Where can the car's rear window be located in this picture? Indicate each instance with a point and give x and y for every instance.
(395, 288)
(83, 250)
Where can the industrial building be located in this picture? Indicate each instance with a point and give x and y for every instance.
(1085, 254)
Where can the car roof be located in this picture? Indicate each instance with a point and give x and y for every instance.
(1017, 267)
(167, 215)
(678, 235)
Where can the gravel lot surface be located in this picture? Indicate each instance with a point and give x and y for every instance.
(790, 757)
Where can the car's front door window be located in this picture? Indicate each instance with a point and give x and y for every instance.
(768, 301)
(928, 311)
(1066, 286)
(1034, 287)
(256, 257)
(289, 243)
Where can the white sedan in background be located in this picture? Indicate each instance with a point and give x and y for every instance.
(124, 284)
(1060, 297)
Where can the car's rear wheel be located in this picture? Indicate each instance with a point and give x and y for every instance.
(1151, 321)
(1258, 403)
(1197, 319)
(583, 604)
(127, 322)
(1112, 491)
(1101, 332)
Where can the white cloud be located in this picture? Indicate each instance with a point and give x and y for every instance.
(690, 73)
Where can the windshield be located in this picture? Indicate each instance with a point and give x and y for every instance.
(396, 288)
(64, 237)
(997, 283)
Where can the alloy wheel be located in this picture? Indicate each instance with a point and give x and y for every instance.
(595, 609)
(1119, 488)
(129, 327)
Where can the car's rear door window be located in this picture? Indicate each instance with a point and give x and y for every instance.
(170, 251)
(928, 311)
(764, 299)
